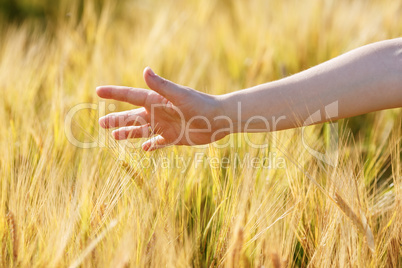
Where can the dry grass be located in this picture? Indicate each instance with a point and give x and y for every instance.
(63, 206)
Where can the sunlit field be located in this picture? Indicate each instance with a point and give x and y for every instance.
(71, 196)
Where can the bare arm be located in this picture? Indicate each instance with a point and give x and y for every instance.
(363, 80)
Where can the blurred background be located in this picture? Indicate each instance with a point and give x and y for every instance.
(64, 206)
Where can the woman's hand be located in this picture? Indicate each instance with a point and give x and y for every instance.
(363, 80)
(171, 114)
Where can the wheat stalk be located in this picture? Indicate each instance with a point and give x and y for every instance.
(12, 227)
(359, 222)
(237, 248)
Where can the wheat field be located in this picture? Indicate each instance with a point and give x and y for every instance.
(114, 205)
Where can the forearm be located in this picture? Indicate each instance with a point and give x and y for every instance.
(363, 80)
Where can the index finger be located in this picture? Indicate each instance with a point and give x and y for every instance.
(135, 96)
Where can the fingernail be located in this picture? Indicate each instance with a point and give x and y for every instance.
(151, 72)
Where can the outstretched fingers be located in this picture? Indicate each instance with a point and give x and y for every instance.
(132, 132)
(126, 118)
(154, 143)
(135, 96)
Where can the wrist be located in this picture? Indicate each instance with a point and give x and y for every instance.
(229, 113)
(251, 110)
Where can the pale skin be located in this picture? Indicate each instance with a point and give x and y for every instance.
(363, 80)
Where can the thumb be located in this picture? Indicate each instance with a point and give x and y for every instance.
(164, 87)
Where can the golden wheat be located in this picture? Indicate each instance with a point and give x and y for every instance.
(115, 206)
